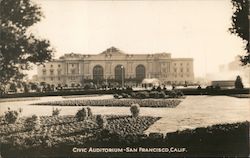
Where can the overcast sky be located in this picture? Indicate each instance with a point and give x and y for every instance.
(190, 28)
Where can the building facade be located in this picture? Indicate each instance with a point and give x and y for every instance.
(113, 65)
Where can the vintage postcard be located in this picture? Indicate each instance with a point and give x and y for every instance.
(124, 78)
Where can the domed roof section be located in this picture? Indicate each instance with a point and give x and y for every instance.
(112, 51)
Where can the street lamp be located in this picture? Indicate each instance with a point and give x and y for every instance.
(122, 76)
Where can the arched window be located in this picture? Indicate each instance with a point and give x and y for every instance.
(140, 72)
(97, 73)
(119, 72)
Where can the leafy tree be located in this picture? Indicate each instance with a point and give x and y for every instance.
(240, 25)
(20, 48)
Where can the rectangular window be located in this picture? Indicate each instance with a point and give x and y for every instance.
(44, 72)
(51, 78)
(59, 78)
(51, 72)
(59, 72)
(175, 70)
(181, 69)
(187, 69)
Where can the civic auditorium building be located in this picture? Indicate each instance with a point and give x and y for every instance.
(113, 65)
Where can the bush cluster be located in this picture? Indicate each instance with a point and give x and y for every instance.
(11, 116)
(82, 114)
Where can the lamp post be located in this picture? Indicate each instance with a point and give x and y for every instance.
(106, 84)
(122, 77)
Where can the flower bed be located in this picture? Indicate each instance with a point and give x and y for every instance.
(68, 131)
(122, 131)
(170, 103)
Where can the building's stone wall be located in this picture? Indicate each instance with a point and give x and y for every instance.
(78, 68)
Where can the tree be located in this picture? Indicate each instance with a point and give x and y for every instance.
(238, 83)
(240, 25)
(20, 48)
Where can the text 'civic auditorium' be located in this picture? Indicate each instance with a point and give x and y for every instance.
(113, 66)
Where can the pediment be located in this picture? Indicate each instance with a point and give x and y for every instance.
(112, 51)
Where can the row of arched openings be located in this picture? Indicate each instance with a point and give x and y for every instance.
(98, 72)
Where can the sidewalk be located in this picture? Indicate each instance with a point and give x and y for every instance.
(202, 111)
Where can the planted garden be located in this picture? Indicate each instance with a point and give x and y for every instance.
(169, 103)
(50, 132)
(56, 135)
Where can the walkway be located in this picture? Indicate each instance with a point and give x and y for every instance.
(202, 111)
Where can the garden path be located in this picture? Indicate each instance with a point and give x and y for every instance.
(202, 111)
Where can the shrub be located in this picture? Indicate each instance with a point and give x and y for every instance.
(135, 109)
(162, 94)
(82, 114)
(32, 122)
(142, 95)
(11, 116)
(179, 93)
(125, 95)
(155, 94)
(172, 94)
(101, 121)
(116, 96)
(133, 94)
(56, 111)
(238, 83)
(90, 114)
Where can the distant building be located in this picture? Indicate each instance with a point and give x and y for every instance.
(113, 65)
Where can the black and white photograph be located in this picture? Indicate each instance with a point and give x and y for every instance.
(124, 78)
